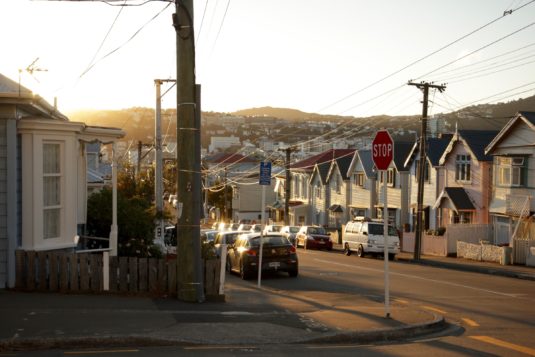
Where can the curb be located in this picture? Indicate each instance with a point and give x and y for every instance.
(354, 337)
(470, 268)
(384, 335)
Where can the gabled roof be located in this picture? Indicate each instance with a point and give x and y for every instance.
(458, 198)
(227, 159)
(526, 117)
(308, 164)
(342, 163)
(365, 158)
(475, 142)
(435, 149)
(322, 170)
(401, 151)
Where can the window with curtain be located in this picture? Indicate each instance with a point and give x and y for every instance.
(51, 190)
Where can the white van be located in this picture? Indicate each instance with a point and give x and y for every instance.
(366, 236)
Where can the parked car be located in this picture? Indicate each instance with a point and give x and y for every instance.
(208, 235)
(223, 226)
(270, 228)
(314, 237)
(244, 227)
(290, 232)
(278, 254)
(256, 228)
(225, 237)
(366, 236)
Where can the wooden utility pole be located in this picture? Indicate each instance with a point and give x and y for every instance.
(189, 270)
(287, 187)
(424, 86)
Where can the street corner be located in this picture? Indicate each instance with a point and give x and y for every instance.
(372, 324)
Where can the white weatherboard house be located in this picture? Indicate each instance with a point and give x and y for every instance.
(512, 151)
(43, 187)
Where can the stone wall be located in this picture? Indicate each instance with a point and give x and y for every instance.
(484, 252)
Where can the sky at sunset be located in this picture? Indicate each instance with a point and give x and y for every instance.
(344, 57)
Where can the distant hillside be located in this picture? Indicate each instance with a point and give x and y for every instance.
(138, 122)
(281, 113)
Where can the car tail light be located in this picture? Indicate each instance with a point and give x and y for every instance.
(251, 252)
(292, 249)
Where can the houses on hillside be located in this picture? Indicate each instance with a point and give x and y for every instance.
(470, 177)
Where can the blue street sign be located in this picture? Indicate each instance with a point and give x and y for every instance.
(265, 173)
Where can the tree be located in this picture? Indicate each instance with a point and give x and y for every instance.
(135, 214)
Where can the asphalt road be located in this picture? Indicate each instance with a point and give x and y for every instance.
(490, 315)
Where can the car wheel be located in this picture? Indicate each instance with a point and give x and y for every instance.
(243, 274)
(293, 272)
(347, 251)
(360, 251)
(391, 256)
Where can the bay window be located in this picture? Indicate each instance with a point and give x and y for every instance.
(51, 190)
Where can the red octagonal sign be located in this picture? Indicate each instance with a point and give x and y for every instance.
(382, 150)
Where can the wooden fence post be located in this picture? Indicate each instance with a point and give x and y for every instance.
(20, 266)
(133, 274)
(84, 271)
(30, 276)
(53, 271)
(143, 275)
(113, 273)
(42, 274)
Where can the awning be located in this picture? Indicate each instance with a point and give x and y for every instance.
(276, 205)
(454, 198)
(336, 208)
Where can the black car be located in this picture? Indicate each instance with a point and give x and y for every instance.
(278, 254)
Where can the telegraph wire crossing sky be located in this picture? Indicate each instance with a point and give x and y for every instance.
(344, 57)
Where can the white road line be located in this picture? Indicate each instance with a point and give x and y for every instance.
(420, 278)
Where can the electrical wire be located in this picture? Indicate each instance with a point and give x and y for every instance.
(424, 57)
(127, 41)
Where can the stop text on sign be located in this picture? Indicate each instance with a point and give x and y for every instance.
(384, 150)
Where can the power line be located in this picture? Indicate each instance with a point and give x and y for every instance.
(426, 56)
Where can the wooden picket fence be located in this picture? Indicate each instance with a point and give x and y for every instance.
(72, 272)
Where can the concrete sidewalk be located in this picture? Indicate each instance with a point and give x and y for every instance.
(250, 315)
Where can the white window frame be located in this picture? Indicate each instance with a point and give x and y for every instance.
(51, 204)
(359, 178)
(463, 163)
(510, 171)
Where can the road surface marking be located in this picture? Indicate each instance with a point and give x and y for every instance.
(435, 309)
(221, 347)
(97, 352)
(335, 347)
(360, 268)
(401, 301)
(504, 344)
(469, 322)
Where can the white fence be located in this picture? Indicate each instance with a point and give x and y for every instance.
(447, 244)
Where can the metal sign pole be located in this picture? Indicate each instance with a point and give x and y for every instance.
(385, 235)
(261, 236)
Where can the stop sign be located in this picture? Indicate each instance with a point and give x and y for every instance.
(382, 150)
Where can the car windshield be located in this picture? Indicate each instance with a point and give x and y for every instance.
(377, 229)
(316, 230)
(294, 229)
(255, 242)
(276, 228)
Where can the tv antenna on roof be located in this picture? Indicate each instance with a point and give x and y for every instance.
(31, 68)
